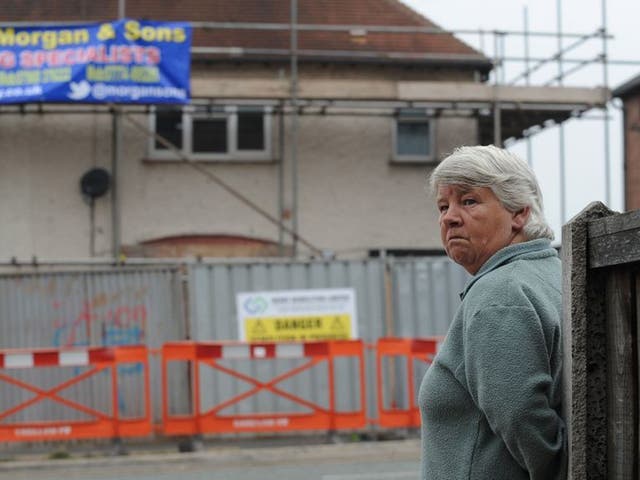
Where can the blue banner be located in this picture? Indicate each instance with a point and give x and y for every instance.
(127, 61)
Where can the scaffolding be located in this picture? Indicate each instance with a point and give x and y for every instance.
(502, 119)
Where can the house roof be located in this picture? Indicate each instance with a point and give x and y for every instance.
(354, 45)
(627, 88)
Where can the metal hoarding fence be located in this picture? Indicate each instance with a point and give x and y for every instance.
(159, 303)
(109, 307)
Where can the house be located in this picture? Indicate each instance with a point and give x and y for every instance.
(629, 93)
(333, 138)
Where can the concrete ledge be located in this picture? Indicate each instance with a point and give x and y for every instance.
(387, 90)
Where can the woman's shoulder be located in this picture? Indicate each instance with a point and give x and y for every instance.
(515, 283)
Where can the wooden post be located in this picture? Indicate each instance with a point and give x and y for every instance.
(613, 243)
(622, 396)
(637, 359)
(601, 254)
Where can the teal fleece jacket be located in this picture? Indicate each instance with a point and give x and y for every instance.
(490, 401)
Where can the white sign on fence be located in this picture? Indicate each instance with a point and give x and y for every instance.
(297, 315)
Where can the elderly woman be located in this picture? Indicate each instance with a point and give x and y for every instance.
(490, 402)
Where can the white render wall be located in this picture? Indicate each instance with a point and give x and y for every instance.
(351, 198)
(41, 209)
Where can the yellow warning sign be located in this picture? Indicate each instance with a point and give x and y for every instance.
(298, 328)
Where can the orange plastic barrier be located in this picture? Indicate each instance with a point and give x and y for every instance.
(76, 366)
(216, 356)
(409, 350)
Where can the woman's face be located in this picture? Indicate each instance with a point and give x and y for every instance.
(474, 225)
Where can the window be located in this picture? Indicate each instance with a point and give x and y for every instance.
(207, 132)
(413, 135)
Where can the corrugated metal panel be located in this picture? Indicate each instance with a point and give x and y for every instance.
(214, 287)
(118, 307)
(426, 295)
(97, 308)
(213, 315)
(423, 292)
(145, 304)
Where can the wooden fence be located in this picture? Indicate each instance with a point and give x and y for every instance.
(601, 291)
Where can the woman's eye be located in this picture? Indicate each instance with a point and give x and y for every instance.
(469, 201)
(442, 208)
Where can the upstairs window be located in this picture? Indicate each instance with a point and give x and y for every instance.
(413, 136)
(205, 132)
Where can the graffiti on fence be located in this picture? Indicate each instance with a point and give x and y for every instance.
(117, 324)
(77, 310)
(109, 319)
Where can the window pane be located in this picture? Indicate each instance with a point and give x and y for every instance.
(169, 126)
(250, 131)
(413, 138)
(210, 135)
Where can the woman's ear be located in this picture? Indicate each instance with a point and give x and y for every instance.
(519, 218)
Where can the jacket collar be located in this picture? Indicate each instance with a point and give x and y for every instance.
(539, 248)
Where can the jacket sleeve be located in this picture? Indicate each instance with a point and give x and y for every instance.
(509, 378)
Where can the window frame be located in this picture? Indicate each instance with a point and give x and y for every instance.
(413, 116)
(228, 112)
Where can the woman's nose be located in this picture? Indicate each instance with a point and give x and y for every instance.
(451, 216)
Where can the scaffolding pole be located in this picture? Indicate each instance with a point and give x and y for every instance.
(543, 61)
(281, 152)
(116, 154)
(294, 126)
(605, 81)
(526, 76)
(561, 149)
(497, 121)
(116, 161)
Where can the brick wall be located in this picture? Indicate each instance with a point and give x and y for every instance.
(632, 152)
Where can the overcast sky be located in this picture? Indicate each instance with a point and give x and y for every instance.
(584, 139)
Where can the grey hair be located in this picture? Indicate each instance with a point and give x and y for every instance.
(509, 177)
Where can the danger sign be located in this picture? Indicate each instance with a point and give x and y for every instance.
(297, 315)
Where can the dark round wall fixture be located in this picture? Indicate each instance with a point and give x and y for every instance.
(95, 182)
